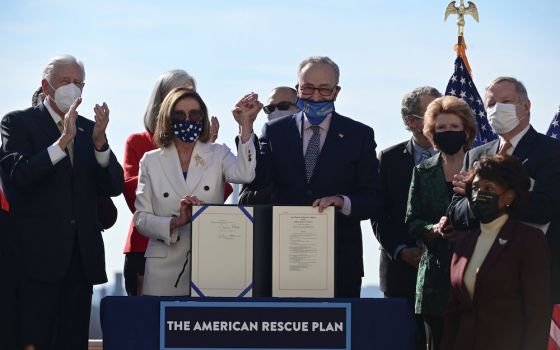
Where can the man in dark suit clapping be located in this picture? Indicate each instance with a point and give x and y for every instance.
(58, 163)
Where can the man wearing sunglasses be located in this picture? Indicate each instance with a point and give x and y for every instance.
(281, 103)
(318, 157)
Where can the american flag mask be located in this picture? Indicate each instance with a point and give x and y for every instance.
(187, 131)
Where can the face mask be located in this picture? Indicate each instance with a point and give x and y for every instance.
(450, 142)
(278, 114)
(65, 95)
(503, 118)
(315, 112)
(186, 131)
(485, 206)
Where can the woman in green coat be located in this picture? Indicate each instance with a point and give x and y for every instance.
(449, 125)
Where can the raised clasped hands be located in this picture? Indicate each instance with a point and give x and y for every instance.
(101, 122)
(245, 112)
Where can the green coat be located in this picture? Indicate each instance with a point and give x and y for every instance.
(428, 199)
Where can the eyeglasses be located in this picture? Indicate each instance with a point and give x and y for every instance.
(417, 116)
(282, 106)
(309, 90)
(194, 115)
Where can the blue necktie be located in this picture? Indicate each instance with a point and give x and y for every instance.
(312, 151)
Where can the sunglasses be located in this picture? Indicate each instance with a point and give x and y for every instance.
(282, 106)
(194, 115)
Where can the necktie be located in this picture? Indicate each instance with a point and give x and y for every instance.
(70, 146)
(312, 151)
(424, 155)
(504, 148)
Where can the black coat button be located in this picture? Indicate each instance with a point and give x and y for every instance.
(206, 188)
(165, 194)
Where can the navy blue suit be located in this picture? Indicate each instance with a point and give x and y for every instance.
(540, 155)
(347, 165)
(62, 253)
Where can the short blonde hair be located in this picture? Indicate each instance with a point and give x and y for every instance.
(453, 105)
(164, 136)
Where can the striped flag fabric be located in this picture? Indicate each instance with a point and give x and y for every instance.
(554, 339)
(554, 128)
(461, 85)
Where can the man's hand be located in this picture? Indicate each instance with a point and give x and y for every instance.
(214, 129)
(101, 122)
(459, 184)
(325, 202)
(69, 125)
(411, 256)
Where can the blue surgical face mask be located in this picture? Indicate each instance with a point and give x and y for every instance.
(186, 131)
(315, 112)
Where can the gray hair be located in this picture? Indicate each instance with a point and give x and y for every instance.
(165, 83)
(519, 87)
(61, 60)
(320, 60)
(411, 101)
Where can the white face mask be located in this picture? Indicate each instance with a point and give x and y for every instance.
(279, 114)
(503, 118)
(65, 95)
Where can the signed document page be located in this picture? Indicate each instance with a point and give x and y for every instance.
(302, 252)
(222, 251)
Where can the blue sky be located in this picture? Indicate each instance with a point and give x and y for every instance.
(383, 48)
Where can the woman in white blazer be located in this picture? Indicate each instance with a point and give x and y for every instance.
(185, 170)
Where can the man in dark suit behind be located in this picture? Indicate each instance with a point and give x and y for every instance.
(58, 163)
(344, 175)
(508, 108)
(399, 258)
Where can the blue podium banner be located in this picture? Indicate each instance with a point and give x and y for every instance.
(254, 325)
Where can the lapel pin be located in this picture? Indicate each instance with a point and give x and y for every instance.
(198, 161)
(80, 129)
(341, 135)
(502, 241)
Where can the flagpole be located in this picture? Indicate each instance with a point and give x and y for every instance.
(461, 11)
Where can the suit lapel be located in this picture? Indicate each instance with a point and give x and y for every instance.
(80, 143)
(293, 144)
(200, 160)
(171, 167)
(464, 256)
(523, 148)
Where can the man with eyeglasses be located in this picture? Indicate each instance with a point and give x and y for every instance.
(281, 103)
(318, 157)
(58, 163)
(400, 255)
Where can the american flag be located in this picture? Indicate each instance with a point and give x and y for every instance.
(554, 340)
(461, 85)
(554, 128)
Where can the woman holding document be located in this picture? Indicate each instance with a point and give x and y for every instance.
(186, 169)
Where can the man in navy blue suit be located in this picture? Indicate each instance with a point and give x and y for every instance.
(58, 162)
(318, 157)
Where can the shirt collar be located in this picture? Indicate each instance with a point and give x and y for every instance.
(324, 125)
(56, 118)
(515, 140)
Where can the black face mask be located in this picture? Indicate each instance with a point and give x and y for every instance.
(450, 142)
(485, 206)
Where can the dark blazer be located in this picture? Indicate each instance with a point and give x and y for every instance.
(540, 155)
(427, 201)
(510, 308)
(56, 204)
(397, 278)
(347, 165)
(9, 291)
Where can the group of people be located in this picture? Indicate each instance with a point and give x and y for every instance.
(462, 229)
(470, 236)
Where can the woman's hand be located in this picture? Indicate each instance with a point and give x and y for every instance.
(185, 211)
(214, 129)
(245, 112)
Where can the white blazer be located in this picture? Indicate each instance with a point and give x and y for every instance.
(161, 186)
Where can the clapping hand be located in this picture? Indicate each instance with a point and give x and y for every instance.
(214, 129)
(459, 184)
(69, 124)
(101, 122)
